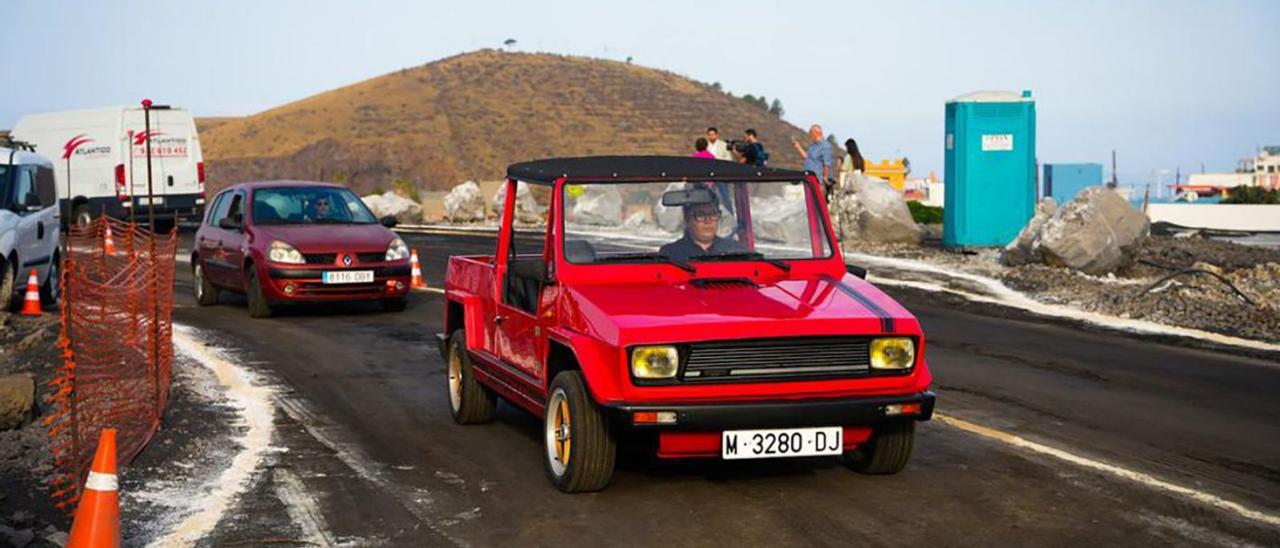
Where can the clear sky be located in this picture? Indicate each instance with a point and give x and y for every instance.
(1170, 84)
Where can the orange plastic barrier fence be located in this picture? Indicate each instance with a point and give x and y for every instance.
(117, 346)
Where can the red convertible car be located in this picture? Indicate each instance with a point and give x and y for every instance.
(296, 242)
(700, 304)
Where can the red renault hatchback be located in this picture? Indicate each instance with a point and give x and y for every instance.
(295, 241)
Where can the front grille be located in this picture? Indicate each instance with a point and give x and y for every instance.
(332, 258)
(776, 359)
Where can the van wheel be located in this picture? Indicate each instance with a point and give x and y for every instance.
(886, 452)
(81, 216)
(258, 307)
(51, 290)
(8, 277)
(469, 401)
(206, 292)
(580, 446)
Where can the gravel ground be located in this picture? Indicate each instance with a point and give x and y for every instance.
(27, 517)
(1199, 301)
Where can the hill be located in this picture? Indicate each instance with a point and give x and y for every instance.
(469, 116)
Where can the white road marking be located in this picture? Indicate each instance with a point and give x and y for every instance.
(1111, 469)
(430, 290)
(252, 401)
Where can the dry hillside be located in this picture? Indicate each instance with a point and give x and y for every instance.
(206, 123)
(469, 116)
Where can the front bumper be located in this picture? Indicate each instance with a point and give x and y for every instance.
(856, 411)
(308, 286)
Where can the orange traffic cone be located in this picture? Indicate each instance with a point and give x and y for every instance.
(31, 305)
(416, 282)
(108, 243)
(97, 522)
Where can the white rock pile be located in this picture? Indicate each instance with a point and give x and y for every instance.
(1095, 233)
(464, 203)
(390, 204)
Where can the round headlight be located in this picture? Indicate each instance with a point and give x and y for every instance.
(654, 362)
(280, 252)
(893, 353)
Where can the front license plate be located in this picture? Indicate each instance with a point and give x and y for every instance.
(348, 277)
(787, 442)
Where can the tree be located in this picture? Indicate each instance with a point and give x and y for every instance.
(509, 43)
(716, 86)
(776, 109)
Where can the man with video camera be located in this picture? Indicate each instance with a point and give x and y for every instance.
(749, 150)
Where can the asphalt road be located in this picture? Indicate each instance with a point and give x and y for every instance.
(365, 436)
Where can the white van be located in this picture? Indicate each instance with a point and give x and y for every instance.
(29, 225)
(100, 161)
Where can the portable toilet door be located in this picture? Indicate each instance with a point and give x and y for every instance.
(990, 168)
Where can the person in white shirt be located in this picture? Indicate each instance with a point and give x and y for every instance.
(717, 147)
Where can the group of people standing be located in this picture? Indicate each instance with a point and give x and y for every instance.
(747, 151)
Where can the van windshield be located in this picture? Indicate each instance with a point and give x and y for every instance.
(309, 205)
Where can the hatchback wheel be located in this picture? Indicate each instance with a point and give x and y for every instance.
(81, 215)
(206, 292)
(469, 401)
(258, 306)
(580, 446)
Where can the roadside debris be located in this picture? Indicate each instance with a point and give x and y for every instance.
(868, 209)
(1094, 233)
(405, 211)
(464, 203)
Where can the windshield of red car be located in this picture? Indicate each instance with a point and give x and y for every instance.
(693, 222)
(309, 205)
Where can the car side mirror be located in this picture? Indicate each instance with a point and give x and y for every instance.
(856, 270)
(228, 223)
(389, 221)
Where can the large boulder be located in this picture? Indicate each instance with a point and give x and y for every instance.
(781, 219)
(464, 203)
(17, 396)
(390, 204)
(869, 209)
(1023, 250)
(527, 210)
(598, 205)
(670, 219)
(1095, 233)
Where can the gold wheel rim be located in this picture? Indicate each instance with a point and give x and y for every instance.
(563, 434)
(455, 381)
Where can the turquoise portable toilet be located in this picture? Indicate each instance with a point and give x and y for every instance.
(990, 168)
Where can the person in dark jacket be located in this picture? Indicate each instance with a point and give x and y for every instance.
(700, 224)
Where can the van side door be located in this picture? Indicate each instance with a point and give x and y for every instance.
(31, 233)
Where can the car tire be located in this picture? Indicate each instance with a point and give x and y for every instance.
(206, 292)
(51, 289)
(469, 401)
(887, 452)
(8, 281)
(81, 216)
(258, 306)
(395, 305)
(579, 446)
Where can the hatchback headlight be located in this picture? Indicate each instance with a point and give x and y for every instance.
(280, 252)
(893, 353)
(397, 251)
(654, 362)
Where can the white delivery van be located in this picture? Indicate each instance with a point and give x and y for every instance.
(100, 162)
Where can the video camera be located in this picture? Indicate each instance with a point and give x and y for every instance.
(738, 145)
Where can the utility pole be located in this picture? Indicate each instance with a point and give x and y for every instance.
(147, 107)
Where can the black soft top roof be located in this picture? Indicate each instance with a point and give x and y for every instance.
(643, 168)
